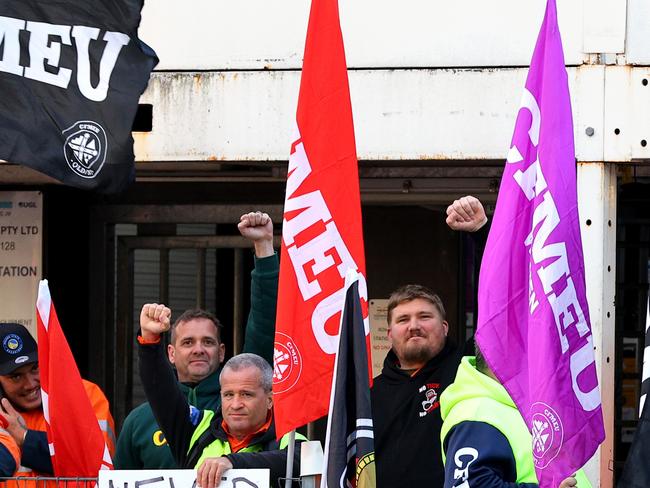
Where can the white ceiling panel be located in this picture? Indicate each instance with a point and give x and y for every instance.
(270, 34)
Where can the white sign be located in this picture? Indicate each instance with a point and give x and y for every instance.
(179, 478)
(377, 312)
(21, 226)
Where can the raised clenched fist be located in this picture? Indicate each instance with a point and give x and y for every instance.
(466, 214)
(258, 228)
(154, 320)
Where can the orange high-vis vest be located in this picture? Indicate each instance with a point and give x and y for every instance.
(35, 420)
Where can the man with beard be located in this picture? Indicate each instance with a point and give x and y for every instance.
(420, 365)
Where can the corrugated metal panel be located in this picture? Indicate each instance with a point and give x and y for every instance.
(145, 290)
(270, 34)
(183, 269)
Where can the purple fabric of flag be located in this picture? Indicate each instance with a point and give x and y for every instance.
(533, 318)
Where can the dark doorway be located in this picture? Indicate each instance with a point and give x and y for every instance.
(185, 256)
(632, 275)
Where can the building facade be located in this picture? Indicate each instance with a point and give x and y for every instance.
(435, 90)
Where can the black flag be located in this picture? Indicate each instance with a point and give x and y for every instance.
(71, 74)
(636, 473)
(645, 372)
(349, 444)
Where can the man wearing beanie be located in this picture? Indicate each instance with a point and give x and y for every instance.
(24, 449)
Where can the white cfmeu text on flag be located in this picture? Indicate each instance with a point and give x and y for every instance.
(313, 257)
(566, 307)
(43, 49)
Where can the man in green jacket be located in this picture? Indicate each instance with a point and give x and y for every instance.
(197, 353)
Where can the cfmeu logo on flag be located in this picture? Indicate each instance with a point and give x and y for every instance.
(287, 363)
(85, 148)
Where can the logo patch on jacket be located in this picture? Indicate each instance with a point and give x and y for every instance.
(159, 438)
(430, 398)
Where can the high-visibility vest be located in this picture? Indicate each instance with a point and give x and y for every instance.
(497, 410)
(221, 447)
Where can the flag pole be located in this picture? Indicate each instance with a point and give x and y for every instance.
(288, 482)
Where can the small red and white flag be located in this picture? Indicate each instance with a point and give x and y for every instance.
(322, 236)
(76, 442)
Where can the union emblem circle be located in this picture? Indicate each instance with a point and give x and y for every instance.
(287, 363)
(85, 148)
(547, 434)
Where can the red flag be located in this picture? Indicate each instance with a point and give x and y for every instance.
(321, 232)
(77, 445)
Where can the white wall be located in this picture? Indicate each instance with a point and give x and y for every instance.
(441, 80)
(270, 34)
(417, 114)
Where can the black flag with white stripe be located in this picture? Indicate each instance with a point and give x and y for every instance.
(71, 75)
(636, 473)
(349, 444)
(645, 375)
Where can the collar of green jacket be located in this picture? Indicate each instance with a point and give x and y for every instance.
(205, 395)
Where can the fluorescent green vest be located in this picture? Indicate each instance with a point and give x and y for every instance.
(494, 407)
(476, 397)
(221, 447)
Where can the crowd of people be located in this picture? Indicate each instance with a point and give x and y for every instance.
(440, 419)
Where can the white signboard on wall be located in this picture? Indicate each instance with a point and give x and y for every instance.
(21, 249)
(378, 333)
(180, 478)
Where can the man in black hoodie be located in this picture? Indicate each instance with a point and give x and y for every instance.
(419, 366)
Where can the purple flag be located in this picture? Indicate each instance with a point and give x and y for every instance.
(533, 322)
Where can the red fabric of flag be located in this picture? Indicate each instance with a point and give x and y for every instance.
(321, 232)
(77, 445)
